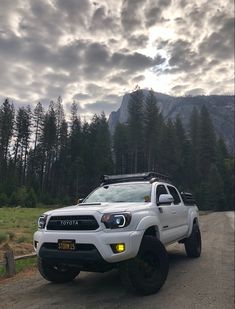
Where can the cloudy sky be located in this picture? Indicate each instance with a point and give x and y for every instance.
(95, 51)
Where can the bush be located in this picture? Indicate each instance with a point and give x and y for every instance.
(3, 199)
(24, 197)
(31, 199)
(19, 196)
(21, 239)
(11, 235)
(3, 237)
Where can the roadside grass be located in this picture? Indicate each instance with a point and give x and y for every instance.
(21, 265)
(17, 226)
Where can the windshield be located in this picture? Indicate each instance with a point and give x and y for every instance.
(138, 192)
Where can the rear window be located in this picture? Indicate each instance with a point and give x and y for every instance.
(175, 195)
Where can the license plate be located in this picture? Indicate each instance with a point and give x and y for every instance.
(64, 244)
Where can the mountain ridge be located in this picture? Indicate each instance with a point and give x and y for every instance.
(220, 107)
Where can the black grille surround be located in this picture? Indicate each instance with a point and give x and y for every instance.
(72, 223)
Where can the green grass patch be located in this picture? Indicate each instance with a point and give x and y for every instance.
(19, 221)
(21, 265)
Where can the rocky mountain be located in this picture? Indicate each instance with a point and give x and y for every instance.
(220, 107)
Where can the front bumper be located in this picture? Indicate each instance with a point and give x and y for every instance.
(100, 241)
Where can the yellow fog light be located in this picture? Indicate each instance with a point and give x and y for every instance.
(120, 248)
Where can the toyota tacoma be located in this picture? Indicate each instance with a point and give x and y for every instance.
(126, 223)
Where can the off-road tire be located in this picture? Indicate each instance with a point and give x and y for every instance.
(193, 244)
(147, 272)
(56, 274)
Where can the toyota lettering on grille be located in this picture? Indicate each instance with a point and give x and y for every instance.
(69, 222)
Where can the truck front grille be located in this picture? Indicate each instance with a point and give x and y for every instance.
(72, 223)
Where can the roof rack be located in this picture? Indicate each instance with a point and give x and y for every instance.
(147, 176)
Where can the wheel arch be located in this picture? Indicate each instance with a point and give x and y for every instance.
(152, 231)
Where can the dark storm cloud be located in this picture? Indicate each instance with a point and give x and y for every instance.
(138, 40)
(220, 44)
(131, 14)
(154, 10)
(138, 78)
(102, 21)
(195, 91)
(182, 58)
(81, 96)
(92, 51)
(118, 79)
(100, 106)
(76, 12)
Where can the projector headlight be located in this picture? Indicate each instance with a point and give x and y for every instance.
(115, 221)
(42, 221)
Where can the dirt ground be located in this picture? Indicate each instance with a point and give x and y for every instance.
(205, 283)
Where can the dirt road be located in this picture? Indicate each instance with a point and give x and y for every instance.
(205, 283)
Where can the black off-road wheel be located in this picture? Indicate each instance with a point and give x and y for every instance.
(56, 274)
(193, 244)
(146, 273)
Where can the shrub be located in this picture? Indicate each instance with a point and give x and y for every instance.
(11, 235)
(21, 239)
(24, 197)
(3, 237)
(3, 199)
(31, 199)
(19, 196)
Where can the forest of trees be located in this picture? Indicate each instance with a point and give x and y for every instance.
(48, 159)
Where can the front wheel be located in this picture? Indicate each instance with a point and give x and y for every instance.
(146, 273)
(56, 273)
(193, 244)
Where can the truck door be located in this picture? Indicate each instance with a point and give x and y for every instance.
(180, 211)
(167, 216)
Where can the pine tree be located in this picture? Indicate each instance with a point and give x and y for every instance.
(48, 144)
(152, 131)
(216, 197)
(120, 148)
(135, 125)
(6, 133)
(182, 154)
(193, 176)
(22, 134)
(207, 142)
(38, 115)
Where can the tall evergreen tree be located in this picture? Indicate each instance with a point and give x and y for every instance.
(135, 124)
(120, 148)
(6, 133)
(152, 131)
(207, 142)
(49, 144)
(193, 177)
(22, 134)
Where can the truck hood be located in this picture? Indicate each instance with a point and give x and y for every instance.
(98, 207)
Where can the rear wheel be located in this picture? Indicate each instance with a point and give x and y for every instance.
(193, 244)
(147, 272)
(56, 273)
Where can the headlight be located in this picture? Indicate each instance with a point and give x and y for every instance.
(115, 221)
(42, 221)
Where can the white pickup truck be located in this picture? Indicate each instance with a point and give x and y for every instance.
(126, 224)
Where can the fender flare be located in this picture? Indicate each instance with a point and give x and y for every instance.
(148, 222)
(193, 215)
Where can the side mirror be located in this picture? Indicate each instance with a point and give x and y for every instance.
(165, 199)
(80, 200)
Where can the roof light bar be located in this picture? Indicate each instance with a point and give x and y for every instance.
(147, 176)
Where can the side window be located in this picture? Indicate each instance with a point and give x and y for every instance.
(161, 189)
(175, 195)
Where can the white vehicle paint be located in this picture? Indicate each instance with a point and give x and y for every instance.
(170, 222)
